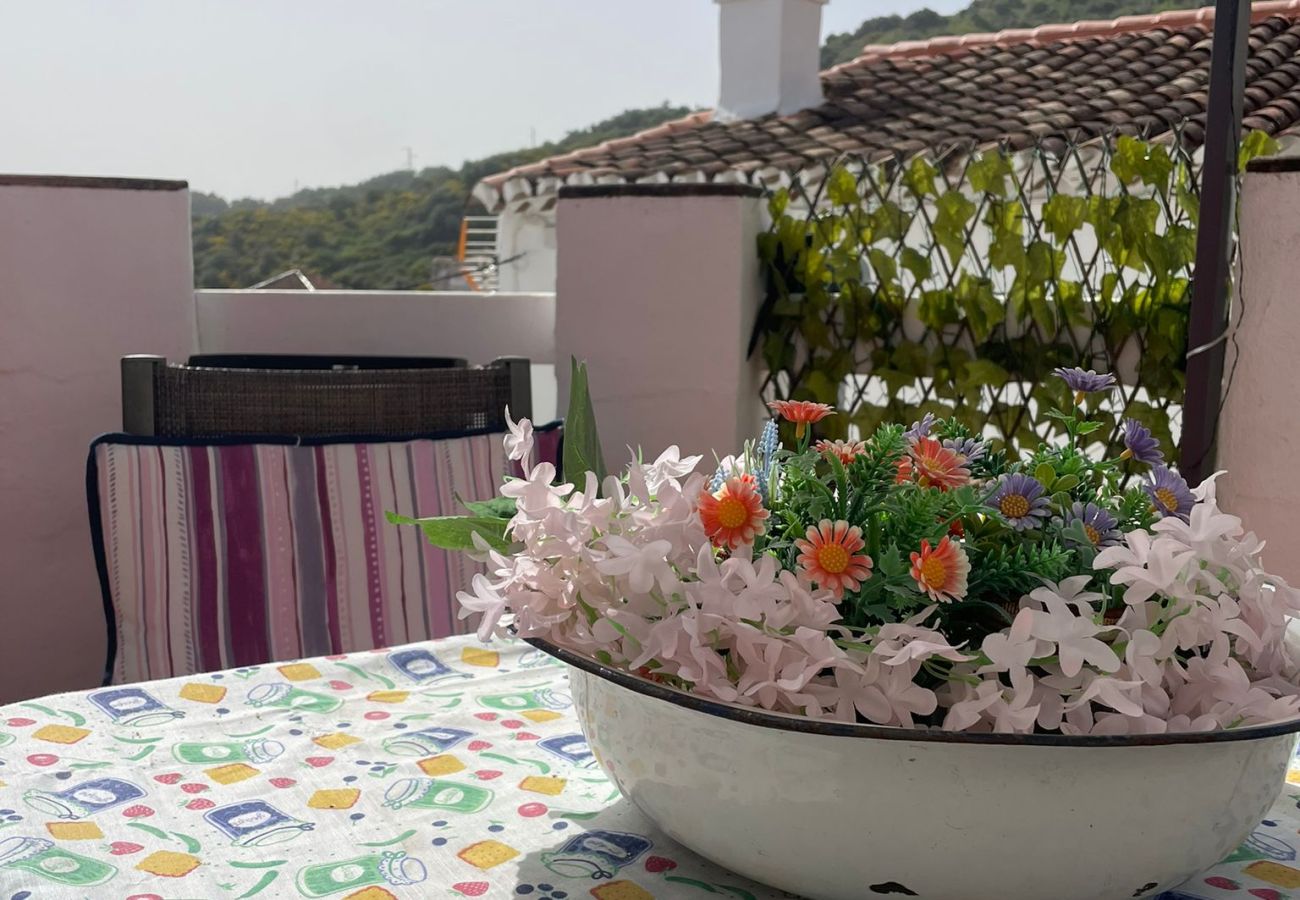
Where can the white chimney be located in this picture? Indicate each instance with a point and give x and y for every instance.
(770, 55)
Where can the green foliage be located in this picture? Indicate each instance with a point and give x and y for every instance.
(980, 15)
(380, 234)
(955, 289)
(456, 532)
(582, 452)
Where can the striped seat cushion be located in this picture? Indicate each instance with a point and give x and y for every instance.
(217, 556)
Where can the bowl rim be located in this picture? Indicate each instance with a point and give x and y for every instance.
(762, 718)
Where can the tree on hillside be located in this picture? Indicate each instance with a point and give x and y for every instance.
(380, 234)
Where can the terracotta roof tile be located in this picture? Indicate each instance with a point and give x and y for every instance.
(1137, 74)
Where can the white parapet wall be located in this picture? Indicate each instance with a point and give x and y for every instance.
(476, 327)
(91, 269)
(1259, 430)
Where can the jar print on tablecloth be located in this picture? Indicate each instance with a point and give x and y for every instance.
(286, 696)
(538, 698)
(393, 868)
(435, 793)
(425, 741)
(84, 799)
(133, 707)
(255, 823)
(596, 854)
(200, 752)
(41, 857)
(422, 667)
(572, 748)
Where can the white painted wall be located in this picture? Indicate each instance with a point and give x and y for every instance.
(529, 236)
(475, 326)
(89, 272)
(1259, 432)
(658, 294)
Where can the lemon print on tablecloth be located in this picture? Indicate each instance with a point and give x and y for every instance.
(60, 734)
(299, 672)
(486, 854)
(1274, 873)
(336, 741)
(543, 784)
(74, 831)
(199, 692)
(478, 656)
(621, 890)
(334, 798)
(388, 696)
(168, 864)
(233, 773)
(440, 765)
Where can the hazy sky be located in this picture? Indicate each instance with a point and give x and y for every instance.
(255, 97)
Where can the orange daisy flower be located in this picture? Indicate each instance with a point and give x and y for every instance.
(734, 515)
(904, 470)
(830, 558)
(941, 571)
(801, 412)
(847, 451)
(937, 466)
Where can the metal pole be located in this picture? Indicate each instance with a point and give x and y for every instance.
(1207, 328)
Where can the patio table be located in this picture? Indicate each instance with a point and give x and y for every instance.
(448, 768)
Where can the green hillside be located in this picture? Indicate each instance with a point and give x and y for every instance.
(381, 234)
(984, 15)
(376, 235)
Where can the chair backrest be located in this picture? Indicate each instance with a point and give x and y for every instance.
(315, 361)
(225, 554)
(199, 402)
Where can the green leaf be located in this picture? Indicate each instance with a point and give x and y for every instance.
(986, 372)
(1045, 474)
(456, 532)
(1256, 144)
(1063, 215)
(988, 174)
(496, 508)
(841, 187)
(915, 262)
(952, 211)
(1136, 160)
(263, 883)
(581, 442)
(919, 177)
(1066, 483)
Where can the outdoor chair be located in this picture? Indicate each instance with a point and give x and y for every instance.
(237, 552)
(170, 400)
(316, 361)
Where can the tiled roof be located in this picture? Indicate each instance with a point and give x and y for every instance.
(1138, 74)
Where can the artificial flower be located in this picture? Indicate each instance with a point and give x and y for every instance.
(1140, 445)
(733, 515)
(828, 556)
(934, 465)
(1098, 524)
(801, 412)
(1169, 493)
(1083, 381)
(920, 429)
(845, 451)
(941, 571)
(519, 440)
(973, 449)
(1019, 498)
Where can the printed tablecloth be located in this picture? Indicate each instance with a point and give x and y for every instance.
(448, 768)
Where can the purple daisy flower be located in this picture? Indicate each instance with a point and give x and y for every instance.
(1098, 524)
(1019, 498)
(1140, 445)
(920, 429)
(1084, 381)
(971, 448)
(1169, 493)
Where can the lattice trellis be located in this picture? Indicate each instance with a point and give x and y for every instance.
(954, 283)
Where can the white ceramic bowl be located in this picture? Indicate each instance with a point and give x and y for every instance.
(833, 811)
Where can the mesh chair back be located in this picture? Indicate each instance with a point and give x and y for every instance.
(197, 402)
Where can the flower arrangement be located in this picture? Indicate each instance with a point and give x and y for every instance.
(916, 578)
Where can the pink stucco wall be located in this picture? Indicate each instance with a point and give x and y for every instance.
(657, 289)
(89, 270)
(1259, 432)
